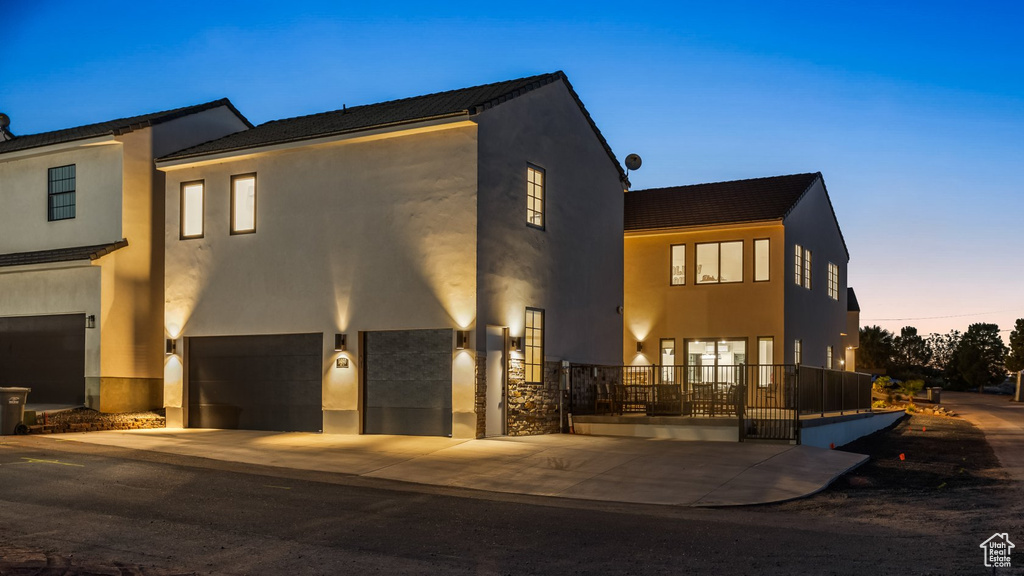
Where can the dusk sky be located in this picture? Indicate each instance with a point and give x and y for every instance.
(914, 116)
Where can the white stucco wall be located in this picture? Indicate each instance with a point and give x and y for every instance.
(573, 268)
(374, 234)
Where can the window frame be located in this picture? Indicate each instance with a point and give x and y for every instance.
(536, 365)
(697, 245)
(255, 195)
(833, 281)
(671, 265)
(798, 261)
(530, 187)
(768, 260)
(807, 268)
(181, 211)
(829, 357)
(798, 351)
(50, 194)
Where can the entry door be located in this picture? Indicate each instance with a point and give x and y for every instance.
(494, 410)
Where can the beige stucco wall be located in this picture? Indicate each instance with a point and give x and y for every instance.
(654, 309)
(371, 234)
(573, 268)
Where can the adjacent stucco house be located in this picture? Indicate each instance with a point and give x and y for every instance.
(82, 255)
(743, 272)
(419, 266)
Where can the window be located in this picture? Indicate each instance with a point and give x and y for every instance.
(807, 269)
(192, 200)
(715, 361)
(828, 357)
(534, 348)
(833, 281)
(761, 258)
(720, 262)
(243, 204)
(60, 197)
(668, 360)
(798, 259)
(678, 265)
(797, 352)
(765, 359)
(535, 196)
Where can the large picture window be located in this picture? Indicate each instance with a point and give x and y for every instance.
(715, 361)
(243, 204)
(192, 200)
(60, 197)
(535, 196)
(833, 281)
(720, 262)
(761, 260)
(678, 271)
(534, 348)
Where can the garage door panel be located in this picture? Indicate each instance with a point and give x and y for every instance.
(408, 382)
(409, 421)
(46, 354)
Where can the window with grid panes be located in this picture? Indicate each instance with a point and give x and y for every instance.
(60, 197)
(535, 196)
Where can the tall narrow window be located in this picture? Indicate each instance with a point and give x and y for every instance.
(833, 281)
(719, 262)
(243, 204)
(60, 197)
(761, 259)
(765, 359)
(534, 348)
(678, 271)
(192, 200)
(828, 357)
(535, 196)
(807, 269)
(798, 260)
(668, 360)
(797, 352)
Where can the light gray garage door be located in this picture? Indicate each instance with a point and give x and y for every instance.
(46, 354)
(268, 382)
(408, 382)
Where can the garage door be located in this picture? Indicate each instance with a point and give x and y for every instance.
(46, 354)
(256, 382)
(408, 382)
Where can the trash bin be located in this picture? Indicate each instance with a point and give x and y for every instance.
(935, 395)
(12, 410)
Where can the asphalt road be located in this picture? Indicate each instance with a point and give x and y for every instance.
(91, 509)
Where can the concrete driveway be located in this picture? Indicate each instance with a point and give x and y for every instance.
(632, 470)
(1001, 420)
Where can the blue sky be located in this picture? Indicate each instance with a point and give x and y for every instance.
(914, 116)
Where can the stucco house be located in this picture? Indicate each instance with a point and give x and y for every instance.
(743, 272)
(82, 255)
(419, 266)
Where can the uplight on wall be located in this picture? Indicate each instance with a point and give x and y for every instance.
(340, 342)
(461, 339)
(171, 346)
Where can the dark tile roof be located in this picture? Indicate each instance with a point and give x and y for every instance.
(463, 102)
(738, 201)
(851, 301)
(61, 254)
(110, 127)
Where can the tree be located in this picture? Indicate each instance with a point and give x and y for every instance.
(942, 348)
(876, 349)
(1015, 359)
(980, 356)
(911, 353)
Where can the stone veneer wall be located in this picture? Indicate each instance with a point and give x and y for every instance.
(480, 401)
(532, 408)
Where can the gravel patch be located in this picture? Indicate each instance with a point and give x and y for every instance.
(89, 420)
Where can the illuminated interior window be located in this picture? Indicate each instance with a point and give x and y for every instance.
(833, 281)
(60, 197)
(192, 199)
(243, 204)
(828, 357)
(807, 269)
(715, 361)
(798, 259)
(761, 255)
(668, 360)
(534, 347)
(797, 352)
(678, 271)
(535, 196)
(719, 262)
(765, 358)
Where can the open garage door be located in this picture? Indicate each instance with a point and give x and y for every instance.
(408, 382)
(46, 354)
(270, 382)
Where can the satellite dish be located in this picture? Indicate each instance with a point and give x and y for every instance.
(5, 120)
(633, 162)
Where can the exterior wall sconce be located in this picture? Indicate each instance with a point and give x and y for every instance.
(515, 343)
(340, 342)
(639, 346)
(172, 346)
(90, 321)
(461, 339)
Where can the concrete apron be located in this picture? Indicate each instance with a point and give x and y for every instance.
(629, 470)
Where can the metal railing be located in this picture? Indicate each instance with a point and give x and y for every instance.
(823, 391)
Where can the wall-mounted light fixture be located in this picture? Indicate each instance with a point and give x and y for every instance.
(515, 343)
(461, 339)
(90, 321)
(172, 346)
(340, 342)
(639, 346)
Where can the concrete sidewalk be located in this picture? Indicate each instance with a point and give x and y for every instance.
(1001, 420)
(567, 466)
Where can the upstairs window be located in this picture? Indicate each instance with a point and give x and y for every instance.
(807, 269)
(797, 352)
(243, 204)
(193, 198)
(535, 196)
(534, 348)
(828, 358)
(761, 260)
(798, 261)
(720, 262)
(678, 270)
(60, 197)
(833, 281)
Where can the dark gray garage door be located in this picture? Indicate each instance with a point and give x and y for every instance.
(256, 382)
(408, 382)
(46, 354)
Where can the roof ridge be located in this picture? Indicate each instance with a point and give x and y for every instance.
(725, 182)
(127, 120)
